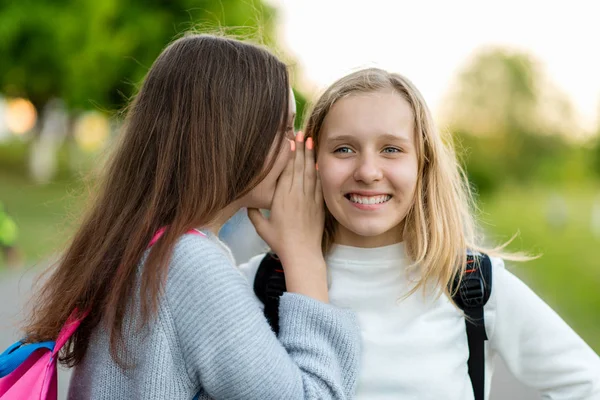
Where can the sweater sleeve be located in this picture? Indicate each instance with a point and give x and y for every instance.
(229, 348)
(538, 347)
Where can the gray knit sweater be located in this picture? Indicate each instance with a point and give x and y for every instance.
(211, 338)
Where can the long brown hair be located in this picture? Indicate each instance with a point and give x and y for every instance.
(440, 227)
(196, 138)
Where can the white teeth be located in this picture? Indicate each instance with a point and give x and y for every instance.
(369, 199)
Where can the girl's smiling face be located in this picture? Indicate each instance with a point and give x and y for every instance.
(368, 167)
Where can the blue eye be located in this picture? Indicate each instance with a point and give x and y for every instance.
(391, 150)
(343, 150)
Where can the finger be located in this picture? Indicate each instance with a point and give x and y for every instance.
(318, 188)
(310, 172)
(299, 161)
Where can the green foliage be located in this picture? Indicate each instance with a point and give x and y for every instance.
(512, 124)
(567, 275)
(492, 161)
(596, 156)
(496, 93)
(13, 156)
(301, 104)
(44, 214)
(93, 53)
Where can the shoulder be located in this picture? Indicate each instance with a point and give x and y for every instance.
(201, 271)
(498, 268)
(196, 257)
(509, 297)
(194, 246)
(497, 263)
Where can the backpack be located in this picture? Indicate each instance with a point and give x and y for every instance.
(473, 292)
(28, 371)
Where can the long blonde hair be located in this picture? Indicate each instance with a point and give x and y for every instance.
(440, 226)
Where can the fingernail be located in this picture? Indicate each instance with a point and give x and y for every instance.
(309, 143)
(300, 136)
(293, 145)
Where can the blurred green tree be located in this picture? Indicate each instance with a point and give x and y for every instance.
(510, 121)
(595, 148)
(301, 104)
(93, 53)
(596, 155)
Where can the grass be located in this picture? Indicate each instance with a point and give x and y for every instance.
(567, 275)
(44, 214)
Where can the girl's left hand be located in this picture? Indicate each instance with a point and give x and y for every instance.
(297, 212)
(295, 228)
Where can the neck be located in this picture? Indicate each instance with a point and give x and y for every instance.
(222, 216)
(347, 237)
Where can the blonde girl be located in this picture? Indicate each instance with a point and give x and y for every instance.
(399, 225)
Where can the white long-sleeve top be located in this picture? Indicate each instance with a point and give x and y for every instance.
(416, 347)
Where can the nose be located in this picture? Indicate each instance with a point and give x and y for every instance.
(368, 170)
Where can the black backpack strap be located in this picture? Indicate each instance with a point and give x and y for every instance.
(269, 285)
(472, 295)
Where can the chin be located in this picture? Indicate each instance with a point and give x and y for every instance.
(367, 226)
(383, 231)
(370, 231)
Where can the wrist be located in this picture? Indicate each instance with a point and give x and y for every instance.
(303, 260)
(307, 275)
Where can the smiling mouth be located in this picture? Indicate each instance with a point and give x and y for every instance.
(368, 200)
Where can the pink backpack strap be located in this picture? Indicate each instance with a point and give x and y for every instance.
(161, 231)
(68, 329)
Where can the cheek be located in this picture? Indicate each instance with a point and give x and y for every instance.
(333, 174)
(404, 177)
(279, 165)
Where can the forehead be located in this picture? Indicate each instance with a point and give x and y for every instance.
(370, 114)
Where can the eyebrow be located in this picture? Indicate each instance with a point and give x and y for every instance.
(386, 136)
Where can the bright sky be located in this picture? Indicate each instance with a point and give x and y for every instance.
(430, 40)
